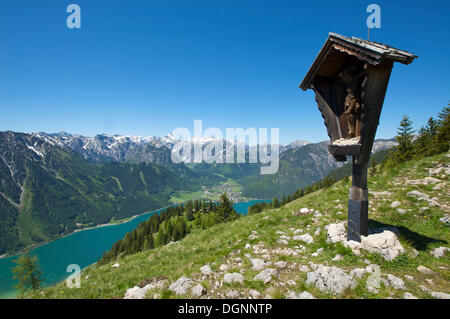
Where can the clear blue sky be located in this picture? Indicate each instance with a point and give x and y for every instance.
(147, 67)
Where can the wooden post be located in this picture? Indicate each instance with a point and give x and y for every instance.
(358, 203)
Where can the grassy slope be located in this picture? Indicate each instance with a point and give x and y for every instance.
(225, 242)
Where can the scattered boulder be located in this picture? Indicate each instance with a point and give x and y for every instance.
(440, 295)
(306, 295)
(266, 275)
(410, 278)
(408, 295)
(198, 290)
(306, 238)
(259, 264)
(304, 211)
(303, 268)
(317, 253)
(418, 194)
(330, 279)
(303, 295)
(358, 272)
(233, 294)
(223, 267)
(255, 294)
(386, 244)
(425, 270)
(235, 277)
(336, 233)
(181, 286)
(396, 282)
(395, 204)
(137, 293)
(445, 219)
(280, 264)
(206, 270)
(440, 252)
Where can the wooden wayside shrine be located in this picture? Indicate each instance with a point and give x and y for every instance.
(349, 78)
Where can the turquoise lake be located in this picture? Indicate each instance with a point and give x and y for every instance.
(82, 248)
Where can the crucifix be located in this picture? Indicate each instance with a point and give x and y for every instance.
(349, 78)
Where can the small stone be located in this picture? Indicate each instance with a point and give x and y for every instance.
(330, 279)
(181, 286)
(303, 268)
(336, 233)
(358, 272)
(254, 293)
(304, 211)
(396, 282)
(395, 204)
(235, 277)
(116, 265)
(280, 264)
(424, 288)
(259, 264)
(198, 291)
(425, 270)
(248, 246)
(306, 238)
(317, 232)
(206, 270)
(306, 295)
(233, 294)
(137, 292)
(291, 282)
(414, 253)
(266, 275)
(410, 278)
(282, 242)
(337, 258)
(440, 295)
(408, 295)
(440, 252)
(445, 219)
(223, 267)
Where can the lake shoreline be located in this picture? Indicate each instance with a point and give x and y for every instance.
(33, 246)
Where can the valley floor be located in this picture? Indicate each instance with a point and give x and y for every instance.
(290, 252)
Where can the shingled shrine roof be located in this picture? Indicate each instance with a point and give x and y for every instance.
(369, 51)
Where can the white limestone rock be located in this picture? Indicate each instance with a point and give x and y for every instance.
(396, 282)
(330, 279)
(306, 238)
(198, 291)
(259, 264)
(234, 277)
(206, 270)
(386, 244)
(440, 295)
(336, 233)
(181, 286)
(266, 275)
(440, 252)
(425, 270)
(137, 292)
